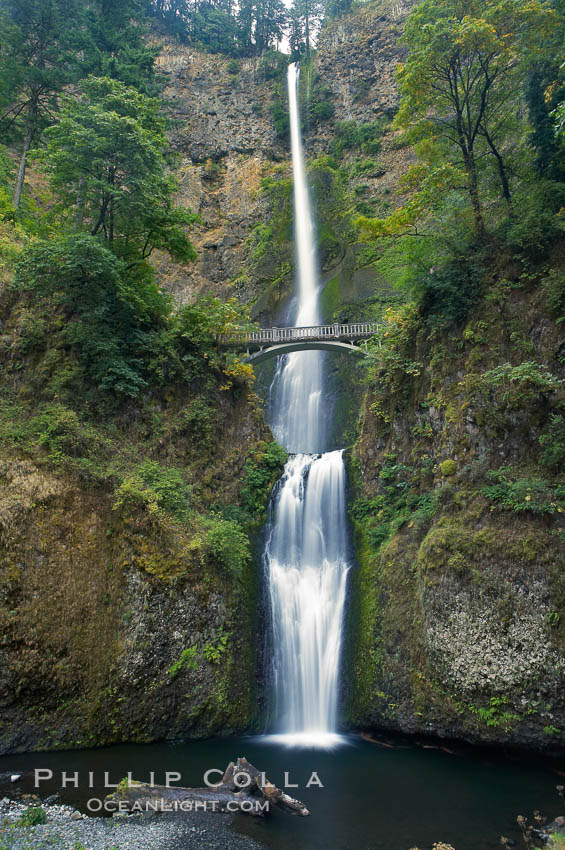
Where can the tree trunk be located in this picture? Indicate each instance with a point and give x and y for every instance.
(501, 169)
(465, 142)
(242, 788)
(30, 129)
(473, 189)
(80, 205)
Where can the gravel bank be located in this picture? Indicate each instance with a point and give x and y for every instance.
(67, 829)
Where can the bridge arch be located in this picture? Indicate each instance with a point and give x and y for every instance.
(276, 350)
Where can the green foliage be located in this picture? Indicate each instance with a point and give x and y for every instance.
(540, 220)
(228, 544)
(199, 419)
(32, 816)
(119, 326)
(523, 494)
(448, 468)
(39, 58)
(213, 652)
(116, 47)
(466, 64)
(242, 29)
(516, 386)
(273, 64)
(366, 167)
(321, 110)
(448, 292)
(106, 160)
(155, 488)
(233, 67)
(367, 137)
(318, 105)
(110, 315)
(188, 661)
(58, 432)
(398, 502)
(390, 362)
(261, 471)
(553, 443)
(554, 286)
(495, 713)
(279, 113)
(271, 240)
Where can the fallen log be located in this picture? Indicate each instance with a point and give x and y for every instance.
(243, 788)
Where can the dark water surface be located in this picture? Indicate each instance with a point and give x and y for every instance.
(374, 797)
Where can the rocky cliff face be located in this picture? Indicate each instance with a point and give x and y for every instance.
(118, 623)
(224, 137)
(128, 583)
(458, 615)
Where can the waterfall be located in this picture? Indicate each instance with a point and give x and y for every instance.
(306, 550)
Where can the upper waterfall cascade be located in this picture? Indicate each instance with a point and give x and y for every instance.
(306, 551)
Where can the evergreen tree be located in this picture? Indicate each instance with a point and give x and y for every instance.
(105, 160)
(271, 18)
(116, 48)
(38, 52)
(305, 16)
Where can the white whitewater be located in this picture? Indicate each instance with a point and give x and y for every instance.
(306, 553)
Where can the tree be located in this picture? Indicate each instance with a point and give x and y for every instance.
(174, 14)
(305, 18)
(115, 46)
(463, 79)
(271, 18)
(38, 58)
(105, 159)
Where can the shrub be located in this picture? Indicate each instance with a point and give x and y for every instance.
(519, 385)
(553, 443)
(110, 312)
(261, 471)
(233, 67)
(199, 419)
(32, 816)
(280, 117)
(448, 468)
(523, 494)
(539, 222)
(228, 544)
(554, 285)
(155, 487)
(213, 651)
(322, 111)
(364, 166)
(273, 64)
(349, 134)
(448, 291)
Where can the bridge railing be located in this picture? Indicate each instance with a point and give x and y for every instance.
(272, 336)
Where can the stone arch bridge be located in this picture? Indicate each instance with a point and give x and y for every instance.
(271, 342)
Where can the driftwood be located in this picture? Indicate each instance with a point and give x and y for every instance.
(243, 788)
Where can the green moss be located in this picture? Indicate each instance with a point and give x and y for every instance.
(187, 661)
(330, 299)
